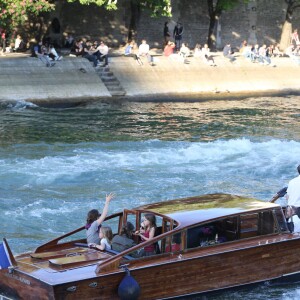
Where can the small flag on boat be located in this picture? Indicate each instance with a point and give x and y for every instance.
(5, 261)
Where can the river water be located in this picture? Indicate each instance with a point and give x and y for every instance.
(56, 164)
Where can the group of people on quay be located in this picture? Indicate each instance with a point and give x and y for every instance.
(96, 52)
(46, 53)
(174, 47)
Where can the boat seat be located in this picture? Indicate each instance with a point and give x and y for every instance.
(109, 251)
(60, 253)
(72, 260)
(116, 252)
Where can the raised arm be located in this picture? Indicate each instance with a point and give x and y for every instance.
(109, 197)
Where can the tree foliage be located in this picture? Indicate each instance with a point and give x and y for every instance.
(285, 38)
(15, 12)
(157, 7)
(291, 6)
(215, 9)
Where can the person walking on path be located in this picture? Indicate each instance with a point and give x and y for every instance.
(3, 39)
(295, 38)
(177, 34)
(166, 34)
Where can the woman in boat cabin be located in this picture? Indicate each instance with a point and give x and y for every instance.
(94, 220)
(147, 232)
(124, 240)
(105, 235)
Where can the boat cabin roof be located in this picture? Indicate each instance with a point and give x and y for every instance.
(188, 211)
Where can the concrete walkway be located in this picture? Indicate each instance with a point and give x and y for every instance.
(74, 80)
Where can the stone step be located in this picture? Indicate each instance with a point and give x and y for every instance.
(112, 83)
(118, 93)
(114, 88)
(107, 77)
(110, 79)
(105, 73)
(104, 69)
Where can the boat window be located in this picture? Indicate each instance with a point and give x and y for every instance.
(281, 221)
(248, 225)
(266, 223)
(172, 243)
(221, 231)
(133, 220)
(257, 224)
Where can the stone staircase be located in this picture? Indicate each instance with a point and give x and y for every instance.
(110, 81)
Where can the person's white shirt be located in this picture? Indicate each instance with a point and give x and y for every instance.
(293, 192)
(103, 49)
(262, 51)
(144, 48)
(296, 222)
(105, 244)
(18, 42)
(205, 50)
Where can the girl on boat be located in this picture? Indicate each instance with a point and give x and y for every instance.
(105, 235)
(94, 220)
(147, 232)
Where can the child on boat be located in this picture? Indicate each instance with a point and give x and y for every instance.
(94, 220)
(147, 232)
(105, 235)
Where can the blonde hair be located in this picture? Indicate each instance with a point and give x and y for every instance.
(107, 233)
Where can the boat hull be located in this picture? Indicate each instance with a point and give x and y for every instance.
(196, 271)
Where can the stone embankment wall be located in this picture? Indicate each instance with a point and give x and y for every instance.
(73, 81)
(28, 79)
(257, 21)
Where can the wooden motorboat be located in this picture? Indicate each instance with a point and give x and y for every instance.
(223, 241)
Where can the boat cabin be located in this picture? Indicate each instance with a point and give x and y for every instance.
(184, 225)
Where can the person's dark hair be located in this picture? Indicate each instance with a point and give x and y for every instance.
(152, 219)
(107, 232)
(92, 216)
(127, 229)
(298, 168)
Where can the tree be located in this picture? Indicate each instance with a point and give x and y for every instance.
(285, 39)
(156, 7)
(15, 12)
(215, 9)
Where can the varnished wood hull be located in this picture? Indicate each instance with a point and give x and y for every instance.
(197, 271)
